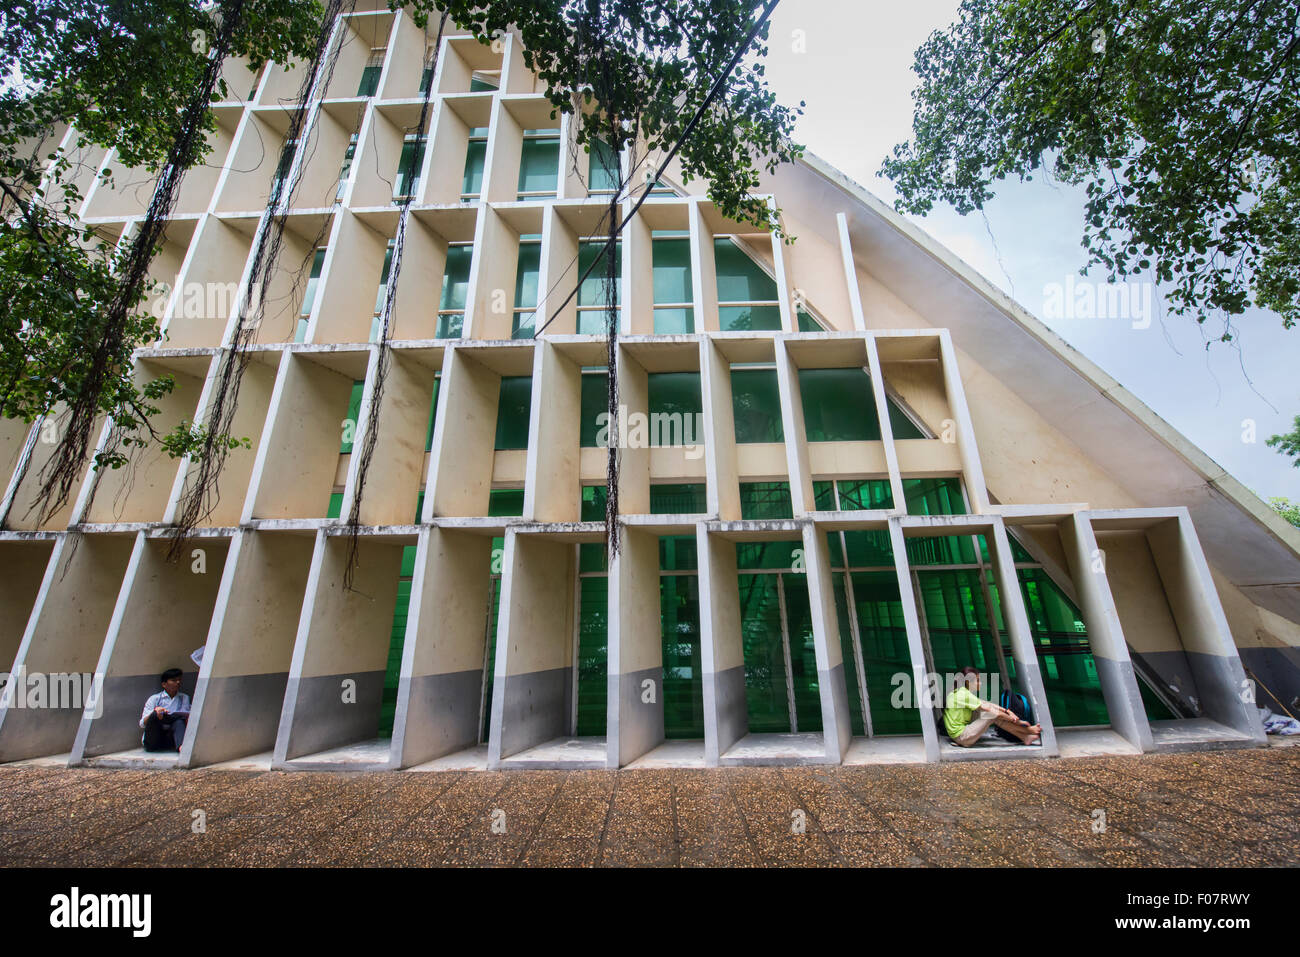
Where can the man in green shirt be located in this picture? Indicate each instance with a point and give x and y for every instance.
(966, 717)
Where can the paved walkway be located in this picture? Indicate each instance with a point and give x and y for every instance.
(1229, 808)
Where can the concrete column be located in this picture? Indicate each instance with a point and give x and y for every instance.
(533, 684)
(704, 271)
(1029, 674)
(460, 465)
(720, 461)
(836, 725)
(634, 464)
(1105, 634)
(850, 273)
(915, 647)
(886, 427)
(796, 436)
(336, 677)
(972, 470)
(552, 482)
(240, 691)
(636, 664)
(441, 685)
(726, 711)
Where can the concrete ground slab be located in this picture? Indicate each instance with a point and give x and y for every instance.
(254, 762)
(890, 749)
(672, 754)
(135, 759)
(776, 750)
(559, 754)
(471, 759)
(363, 756)
(1196, 734)
(1092, 742)
(49, 761)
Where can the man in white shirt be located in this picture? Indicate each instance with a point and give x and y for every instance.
(165, 714)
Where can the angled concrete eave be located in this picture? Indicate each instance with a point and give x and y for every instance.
(1244, 539)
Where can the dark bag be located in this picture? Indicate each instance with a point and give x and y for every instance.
(1018, 705)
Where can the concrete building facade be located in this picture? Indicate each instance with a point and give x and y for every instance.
(847, 465)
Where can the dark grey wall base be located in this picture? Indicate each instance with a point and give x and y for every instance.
(1124, 701)
(535, 708)
(319, 717)
(1279, 670)
(38, 732)
(240, 716)
(837, 727)
(730, 706)
(442, 713)
(637, 725)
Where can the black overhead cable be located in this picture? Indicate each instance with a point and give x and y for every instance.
(690, 126)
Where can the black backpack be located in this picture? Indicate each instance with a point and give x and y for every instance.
(1018, 705)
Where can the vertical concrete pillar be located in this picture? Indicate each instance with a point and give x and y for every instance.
(796, 436)
(636, 664)
(532, 688)
(1105, 634)
(704, 271)
(720, 461)
(836, 723)
(972, 470)
(460, 465)
(850, 273)
(634, 463)
(552, 477)
(726, 712)
(886, 426)
(1028, 672)
(441, 686)
(921, 686)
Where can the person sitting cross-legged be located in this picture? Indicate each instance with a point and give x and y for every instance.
(165, 714)
(967, 716)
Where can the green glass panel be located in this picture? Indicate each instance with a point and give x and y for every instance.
(354, 413)
(475, 155)
(956, 617)
(884, 652)
(803, 654)
(766, 697)
(900, 424)
(945, 550)
(748, 318)
(934, 496)
(865, 494)
(419, 508)
(426, 77)
(765, 500)
(1156, 709)
(433, 412)
(602, 167)
(807, 323)
(678, 499)
(782, 555)
(491, 651)
(313, 281)
(1018, 553)
(506, 502)
(677, 553)
(393, 670)
(591, 557)
(346, 168)
(1073, 687)
(592, 290)
(674, 321)
(479, 84)
(595, 403)
(868, 548)
(595, 322)
(593, 503)
(539, 165)
(756, 405)
(335, 509)
(408, 168)
(455, 277)
(740, 279)
(854, 691)
(677, 395)
(369, 80)
(449, 326)
(838, 405)
(526, 281)
(672, 270)
(513, 407)
(683, 691)
(593, 648)
(382, 293)
(824, 496)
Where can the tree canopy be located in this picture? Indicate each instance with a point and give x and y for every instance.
(1181, 119)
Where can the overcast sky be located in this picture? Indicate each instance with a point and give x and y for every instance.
(852, 63)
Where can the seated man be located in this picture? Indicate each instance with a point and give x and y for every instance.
(962, 725)
(165, 714)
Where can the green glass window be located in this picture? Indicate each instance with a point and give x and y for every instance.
(602, 167)
(369, 84)
(455, 289)
(513, 407)
(381, 294)
(776, 629)
(348, 156)
(433, 412)
(756, 405)
(747, 297)
(526, 279)
(685, 498)
(493, 615)
(407, 181)
(675, 398)
(1064, 653)
(396, 641)
(593, 655)
(354, 414)
(506, 502)
(475, 156)
(309, 296)
(282, 168)
(483, 83)
(595, 403)
(679, 617)
(593, 318)
(674, 312)
(593, 503)
(864, 494)
(807, 323)
(539, 164)
(765, 500)
(934, 496)
(838, 405)
(884, 650)
(335, 508)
